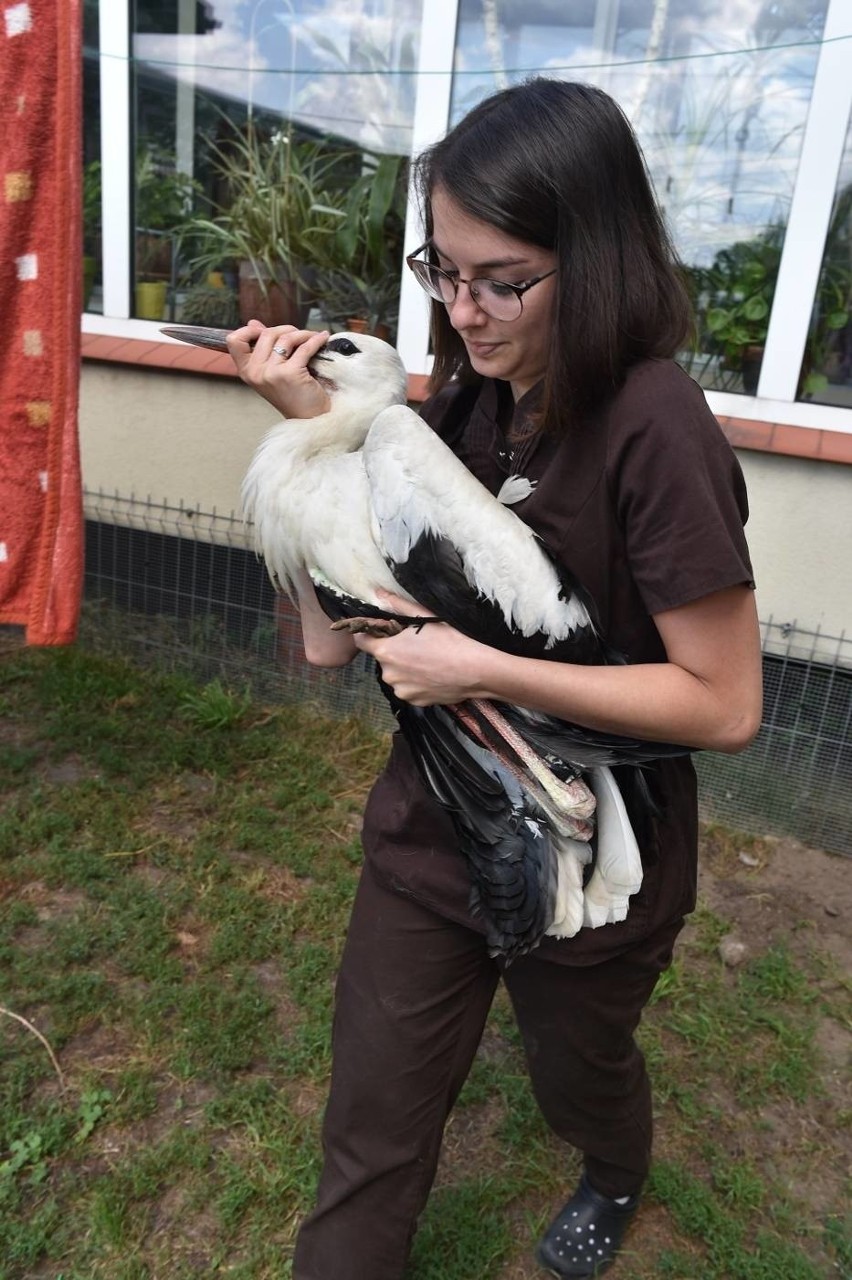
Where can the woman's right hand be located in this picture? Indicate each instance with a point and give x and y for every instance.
(283, 380)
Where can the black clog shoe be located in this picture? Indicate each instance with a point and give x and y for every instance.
(585, 1236)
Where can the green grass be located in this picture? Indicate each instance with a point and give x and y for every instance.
(176, 867)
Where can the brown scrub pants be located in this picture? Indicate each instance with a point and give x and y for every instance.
(413, 994)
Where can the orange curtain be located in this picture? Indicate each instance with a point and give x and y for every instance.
(41, 516)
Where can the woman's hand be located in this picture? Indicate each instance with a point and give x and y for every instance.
(283, 380)
(432, 664)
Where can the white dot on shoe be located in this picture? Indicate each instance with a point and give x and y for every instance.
(607, 1240)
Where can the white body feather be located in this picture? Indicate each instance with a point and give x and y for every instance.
(312, 515)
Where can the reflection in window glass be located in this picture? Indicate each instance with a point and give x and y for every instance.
(271, 147)
(92, 254)
(718, 94)
(827, 367)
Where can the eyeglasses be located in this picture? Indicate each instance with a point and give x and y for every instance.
(497, 299)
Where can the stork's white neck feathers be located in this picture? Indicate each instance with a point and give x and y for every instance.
(304, 490)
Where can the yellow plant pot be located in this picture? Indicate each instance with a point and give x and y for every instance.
(151, 299)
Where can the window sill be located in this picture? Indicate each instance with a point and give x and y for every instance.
(763, 437)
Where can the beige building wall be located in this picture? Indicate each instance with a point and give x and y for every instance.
(172, 438)
(148, 433)
(800, 534)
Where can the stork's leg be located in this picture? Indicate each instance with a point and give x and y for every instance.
(568, 804)
(578, 827)
(574, 796)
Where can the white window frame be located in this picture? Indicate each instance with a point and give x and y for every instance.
(114, 63)
(816, 183)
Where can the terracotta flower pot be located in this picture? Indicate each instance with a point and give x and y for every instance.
(357, 324)
(270, 302)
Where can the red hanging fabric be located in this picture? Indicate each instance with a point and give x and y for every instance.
(41, 516)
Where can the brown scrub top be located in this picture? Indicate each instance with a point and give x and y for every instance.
(646, 507)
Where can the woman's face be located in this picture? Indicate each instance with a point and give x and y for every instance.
(512, 350)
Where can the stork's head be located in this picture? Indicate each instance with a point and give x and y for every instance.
(360, 373)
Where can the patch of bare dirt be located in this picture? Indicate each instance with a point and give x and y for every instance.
(189, 1227)
(179, 811)
(270, 978)
(69, 772)
(470, 1130)
(19, 733)
(280, 884)
(778, 890)
(308, 1098)
(52, 903)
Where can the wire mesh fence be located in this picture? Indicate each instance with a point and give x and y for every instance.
(796, 777)
(182, 589)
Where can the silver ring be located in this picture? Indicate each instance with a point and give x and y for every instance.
(280, 351)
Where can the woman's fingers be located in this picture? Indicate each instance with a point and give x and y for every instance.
(297, 345)
(241, 342)
(274, 361)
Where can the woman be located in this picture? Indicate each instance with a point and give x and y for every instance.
(557, 307)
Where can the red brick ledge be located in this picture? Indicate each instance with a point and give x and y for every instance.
(781, 437)
(764, 437)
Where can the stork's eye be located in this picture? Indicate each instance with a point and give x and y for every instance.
(344, 346)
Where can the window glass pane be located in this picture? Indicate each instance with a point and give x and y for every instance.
(91, 159)
(827, 367)
(271, 147)
(718, 94)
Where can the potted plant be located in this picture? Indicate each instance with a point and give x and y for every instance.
(733, 301)
(279, 205)
(210, 304)
(163, 198)
(357, 272)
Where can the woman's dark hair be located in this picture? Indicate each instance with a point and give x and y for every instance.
(557, 164)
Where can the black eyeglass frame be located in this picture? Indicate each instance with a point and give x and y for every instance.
(518, 289)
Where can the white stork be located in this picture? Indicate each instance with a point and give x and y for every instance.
(366, 497)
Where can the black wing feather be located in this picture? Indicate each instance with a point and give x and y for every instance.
(434, 574)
